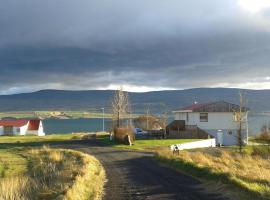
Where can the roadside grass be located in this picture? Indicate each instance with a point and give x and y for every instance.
(35, 139)
(45, 173)
(249, 174)
(146, 144)
(29, 140)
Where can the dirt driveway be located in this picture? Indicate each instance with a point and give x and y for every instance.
(135, 175)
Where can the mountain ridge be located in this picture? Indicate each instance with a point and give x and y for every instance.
(50, 99)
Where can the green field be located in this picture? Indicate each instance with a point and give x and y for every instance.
(54, 114)
(146, 144)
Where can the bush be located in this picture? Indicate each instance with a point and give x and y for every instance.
(261, 150)
(121, 135)
(264, 136)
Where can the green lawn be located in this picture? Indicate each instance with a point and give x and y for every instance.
(12, 163)
(147, 144)
(39, 139)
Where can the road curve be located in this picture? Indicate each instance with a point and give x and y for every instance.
(135, 175)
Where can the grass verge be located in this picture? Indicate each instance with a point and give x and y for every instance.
(45, 173)
(249, 174)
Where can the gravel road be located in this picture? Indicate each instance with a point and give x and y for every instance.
(135, 175)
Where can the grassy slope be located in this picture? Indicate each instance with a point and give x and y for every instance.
(250, 174)
(19, 164)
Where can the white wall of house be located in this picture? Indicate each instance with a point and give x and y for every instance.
(23, 129)
(219, 123)
(216, 120)
(1, 130)
(41, 129)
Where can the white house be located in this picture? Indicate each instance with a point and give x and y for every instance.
(219, 119)
(21, 127)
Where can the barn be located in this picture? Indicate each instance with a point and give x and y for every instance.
(21, 127)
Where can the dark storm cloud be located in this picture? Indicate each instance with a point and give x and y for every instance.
(159, 44)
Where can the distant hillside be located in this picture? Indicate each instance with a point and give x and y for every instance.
(258, 100)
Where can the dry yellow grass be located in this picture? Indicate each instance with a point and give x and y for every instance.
(16, 188)
(89, 184)
(56, 174)
(251, 173)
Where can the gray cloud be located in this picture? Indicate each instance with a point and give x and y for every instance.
(159, 44)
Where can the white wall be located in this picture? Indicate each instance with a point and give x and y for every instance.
(223, 121)
(216, 120)
(197, 144)
(1, 130)
(23, 129)
(41, 129)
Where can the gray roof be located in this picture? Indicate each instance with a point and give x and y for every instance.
(219, 106)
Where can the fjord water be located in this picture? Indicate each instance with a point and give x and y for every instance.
(63, 126)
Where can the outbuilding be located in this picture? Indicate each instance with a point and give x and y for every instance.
(21, 127)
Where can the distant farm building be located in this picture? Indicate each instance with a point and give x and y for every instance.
(206, 120)
(21, 127)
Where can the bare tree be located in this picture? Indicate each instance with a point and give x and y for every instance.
(147, 116)
(240, 117)
(164, 119)
(129, 112)
(120, 107)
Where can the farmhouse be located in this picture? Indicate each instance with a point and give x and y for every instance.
(217, 119)
(21, 127)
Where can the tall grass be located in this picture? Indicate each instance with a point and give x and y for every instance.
(56, 174)
(17, 188)
(89, 183)
(247, 172)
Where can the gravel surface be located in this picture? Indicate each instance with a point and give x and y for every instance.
(135, 175)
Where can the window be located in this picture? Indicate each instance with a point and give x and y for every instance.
(203, 117)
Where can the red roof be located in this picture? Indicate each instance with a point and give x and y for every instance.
(16, 123)
(33, 125)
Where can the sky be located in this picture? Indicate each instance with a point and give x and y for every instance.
(142, 45)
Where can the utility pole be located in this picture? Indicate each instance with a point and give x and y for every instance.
(147, 117)
(103, 119)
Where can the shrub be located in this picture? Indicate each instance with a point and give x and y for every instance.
(264, 136)
(261, 150)
(121, 135)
